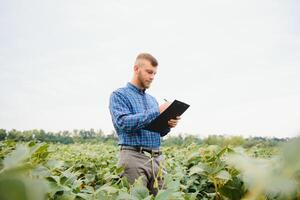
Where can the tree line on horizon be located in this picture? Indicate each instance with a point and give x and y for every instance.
(94, 136)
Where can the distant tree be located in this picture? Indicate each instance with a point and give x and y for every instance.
(13, 134)
(39, 135)
(3, 134)
(99, 133)
(214, 140)
(234, 141)
(173, 140)
(76, 132)
(92, 133)
(111, 138)
(192, 139)
(84, 134)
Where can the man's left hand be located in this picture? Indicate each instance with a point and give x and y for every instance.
(173, 122)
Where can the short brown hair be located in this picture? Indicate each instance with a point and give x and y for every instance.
(149, 57)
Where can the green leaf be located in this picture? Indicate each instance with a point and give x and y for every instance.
(67, 196)
(41, 171)
(109, 189)
(196, 170)
(17, 156)
(120, 170)
(147, 154)
(11, 189)
(224, 175)
(233, 189)
(140, 192)
(83, 196)
(164, 195)
(191, 196)
(124, 196)
(53, 179)
(55, 164)
(89, 177)
(173, 185)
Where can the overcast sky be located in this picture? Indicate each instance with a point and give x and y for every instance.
(237, 63)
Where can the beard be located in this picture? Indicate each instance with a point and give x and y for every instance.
(144, 84)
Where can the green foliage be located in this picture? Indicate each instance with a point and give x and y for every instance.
(3, 134)
(39, 171)
(17, 179)
(275, 178)
(62, 137)
(181, 141)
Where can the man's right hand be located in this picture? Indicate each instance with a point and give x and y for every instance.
(164, 106)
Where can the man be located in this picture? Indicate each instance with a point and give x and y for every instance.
(132, 109)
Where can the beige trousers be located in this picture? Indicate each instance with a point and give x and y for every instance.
(138, 164)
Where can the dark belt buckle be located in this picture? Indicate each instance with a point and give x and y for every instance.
(151, 152)
(154, 153)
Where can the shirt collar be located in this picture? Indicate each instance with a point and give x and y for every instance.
(135, 88)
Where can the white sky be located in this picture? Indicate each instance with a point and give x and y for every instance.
(237, 63)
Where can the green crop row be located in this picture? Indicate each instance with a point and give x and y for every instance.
(36, 171)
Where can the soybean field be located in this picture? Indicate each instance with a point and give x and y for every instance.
(38, 170)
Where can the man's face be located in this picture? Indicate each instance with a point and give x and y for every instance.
(145, 74)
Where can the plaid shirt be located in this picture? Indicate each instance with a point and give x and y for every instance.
(131, 110)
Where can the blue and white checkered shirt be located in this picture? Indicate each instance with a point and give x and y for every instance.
(131, 110)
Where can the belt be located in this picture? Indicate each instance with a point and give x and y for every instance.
(153, 152)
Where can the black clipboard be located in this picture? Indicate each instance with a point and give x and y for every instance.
(160, 123)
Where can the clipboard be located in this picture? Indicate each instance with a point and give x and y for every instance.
(160, 123)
